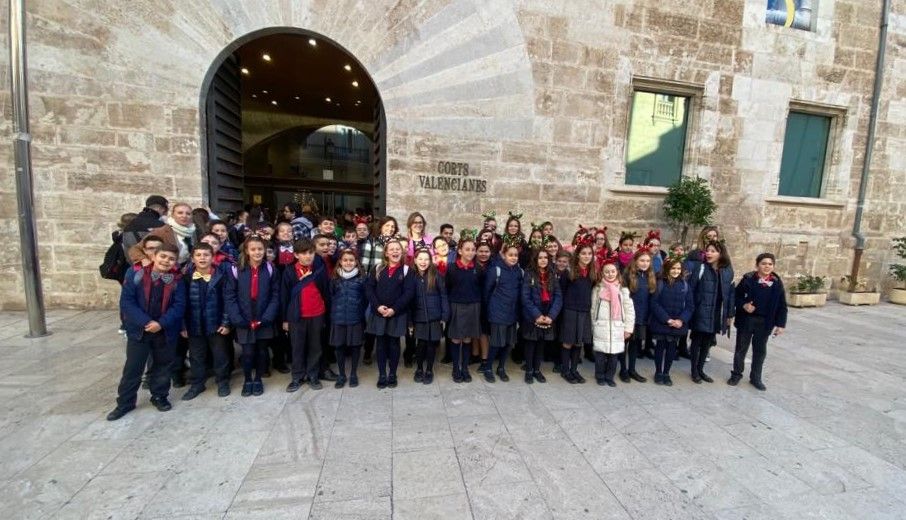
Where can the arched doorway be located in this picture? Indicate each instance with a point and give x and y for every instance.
(288, 114)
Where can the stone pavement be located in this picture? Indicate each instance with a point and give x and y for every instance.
(827, 440)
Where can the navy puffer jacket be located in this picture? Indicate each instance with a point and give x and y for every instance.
(207, 312)
(531, 298)
(501, 293)
(707, 284)
(428, 306)
(347, 300)
(671, 302)
(641, 298)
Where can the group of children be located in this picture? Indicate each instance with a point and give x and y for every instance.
(300, 297)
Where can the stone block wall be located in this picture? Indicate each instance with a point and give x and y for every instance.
(534, 95)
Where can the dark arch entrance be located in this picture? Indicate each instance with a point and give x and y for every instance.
(264, 85)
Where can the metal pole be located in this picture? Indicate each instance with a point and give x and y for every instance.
(869, 146)
(28, 238)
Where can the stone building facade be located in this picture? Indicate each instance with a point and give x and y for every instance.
(534, 95)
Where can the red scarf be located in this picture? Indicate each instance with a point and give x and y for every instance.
(302, 271)
(545, 294)
(391, 270)
(766, 281)
(254, 288)
(441, 267)
(583, 272)
(285, 255)
(463, 266)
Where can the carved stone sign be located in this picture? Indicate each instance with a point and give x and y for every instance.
(452, 176)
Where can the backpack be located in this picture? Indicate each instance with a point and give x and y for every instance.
(115, 262)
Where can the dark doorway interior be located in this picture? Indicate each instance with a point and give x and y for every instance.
(291, 115)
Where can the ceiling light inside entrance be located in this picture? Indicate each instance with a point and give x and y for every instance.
(274, 103)
(327, 99)
(312, 42)
(245, 71)
(355, 83)
(297, 97)
(266, 57)
(347, 67)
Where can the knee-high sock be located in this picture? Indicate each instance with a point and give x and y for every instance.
(565, 357)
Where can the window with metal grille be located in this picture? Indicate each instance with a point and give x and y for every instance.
(657, 138)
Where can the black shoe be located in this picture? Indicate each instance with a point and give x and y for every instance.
(382, 382)
(637, 377)
(283, 369)
(328, 375)
(315, 384)
(667, 381)
(540, 377)
(577, 377)
(419, 376)
(524, 367)
(257, 388)
(568, 376)
(601, 382)
(759, 385)
(161, 403)
(697, 380)
(145, 384)
(366, 359)
(610, 383)
(192, 393)
(353, 381)
(706, 378)
(294, 385)
(658, 380)
(734, 380)
(489, 376)
(267, 373)
(457, 377)
(341, 382)
(501, 373)
(223, 389)
(117, 413)
(392, 382)
(247, 389)
(556, 368)
(429, 378)
(466, 376)
(179, 382)
(529, 378)
(624, 378)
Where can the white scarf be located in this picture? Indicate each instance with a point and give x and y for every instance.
(349, 274)
(182, 232)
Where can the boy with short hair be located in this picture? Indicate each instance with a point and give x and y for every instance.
(326, 226)
(207, 324)
(153, 303)
(305, 299)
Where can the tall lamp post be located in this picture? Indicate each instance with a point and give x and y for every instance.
(28, 237)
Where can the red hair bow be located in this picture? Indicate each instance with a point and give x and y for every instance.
(654, 234)
(361, 219)
(605, 258)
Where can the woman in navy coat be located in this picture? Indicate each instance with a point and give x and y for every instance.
(712, 289)
(252, 304)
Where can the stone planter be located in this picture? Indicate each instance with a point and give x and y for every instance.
(859, 298)
(898, 296)
(807, 299)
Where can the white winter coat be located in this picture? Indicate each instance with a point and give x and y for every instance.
(608, 334)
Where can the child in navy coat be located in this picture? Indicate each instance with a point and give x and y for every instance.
(671, 309)
(712, 288)
(430, 310)
(252, 301)
(541, 303)
(464, 292)
(389, 291)
(347, 315)
(207, 324)
(641, 282)
(152, 303)
(305, 300)
(760, 313)
(501, 291)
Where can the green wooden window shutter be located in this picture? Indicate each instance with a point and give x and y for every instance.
(657, 139)
(804, 150)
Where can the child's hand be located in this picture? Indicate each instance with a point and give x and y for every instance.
(626, 335)
(748, 307)
(286, 326)
(778, 331)
(223, 330)
(152, 326)
(184, 333)
(390, 312)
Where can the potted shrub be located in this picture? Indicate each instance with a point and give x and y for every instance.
(898, 271)
(857, 292)
(808, 291)
(689, 203)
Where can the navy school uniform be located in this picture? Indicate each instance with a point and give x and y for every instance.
(465, 297)
(670, 302)
(205, 313)
(769, 299)
(501, 291)
(641, 300)
(396, 292)
(243, 310)
(150, 296)
(347, 310)
(713, 294)
(575, 326)
(533, 307)
(430, 307)
(305, 325)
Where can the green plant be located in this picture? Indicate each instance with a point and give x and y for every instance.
(808, 284)
(689, 203)
(898, 271)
